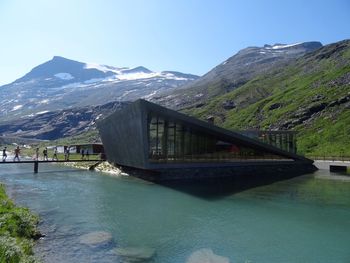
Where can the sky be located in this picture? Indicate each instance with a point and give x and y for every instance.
(190, 36)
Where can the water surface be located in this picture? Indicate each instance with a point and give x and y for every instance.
(305, 219)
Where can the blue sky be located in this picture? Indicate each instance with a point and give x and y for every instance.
(190, 36)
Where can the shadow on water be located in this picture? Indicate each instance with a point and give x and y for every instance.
(217, 188)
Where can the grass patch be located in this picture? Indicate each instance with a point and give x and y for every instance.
(18, 229)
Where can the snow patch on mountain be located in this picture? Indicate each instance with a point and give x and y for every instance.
(61, 82)
(17, 107)
(64, 76)
(281, 46)
(46, 101)
(138, 75)
(126, 74)
(150, 95)
(103, 68)
(42, 112)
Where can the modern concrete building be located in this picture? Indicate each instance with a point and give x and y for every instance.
(163, 144)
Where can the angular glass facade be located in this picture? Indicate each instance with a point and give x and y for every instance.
(285, 140)
(173, 141)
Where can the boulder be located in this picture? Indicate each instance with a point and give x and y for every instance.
(135, 254)
(275, 106)
(228, 105)
(206, 255)
(94, 239)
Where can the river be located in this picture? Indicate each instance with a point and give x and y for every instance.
(304, 219)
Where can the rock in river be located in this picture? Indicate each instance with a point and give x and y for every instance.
(206, 255)
(94, 239)
(135, 254)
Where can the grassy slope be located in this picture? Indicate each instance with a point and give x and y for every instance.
(85, 137)
(294, 87)
(17, 230)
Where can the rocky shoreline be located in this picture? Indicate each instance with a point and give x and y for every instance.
(104, 167)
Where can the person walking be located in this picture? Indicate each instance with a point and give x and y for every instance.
(65, 154)
(17, 152)
(45, 154)
(4, 155)
(82, 154)
(36, 154)
(68, 152)
(54, 157)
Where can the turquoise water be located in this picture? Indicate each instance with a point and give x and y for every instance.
(305, 219)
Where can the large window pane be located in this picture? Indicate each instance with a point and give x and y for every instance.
(171, 141)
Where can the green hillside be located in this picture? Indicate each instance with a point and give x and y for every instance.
(310, 95)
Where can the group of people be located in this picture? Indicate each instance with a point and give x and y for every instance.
(45, 154)
(85, 155)
(16, 154)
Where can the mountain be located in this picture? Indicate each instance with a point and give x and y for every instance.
(58, 124)
(310, 94)
(62, 83)
(235, 72)
(66, 70)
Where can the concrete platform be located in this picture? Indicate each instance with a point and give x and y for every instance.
(325, 164)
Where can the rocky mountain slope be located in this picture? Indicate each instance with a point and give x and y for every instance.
(63, 83)
(57, 124)
(235, 72)
(310, 94)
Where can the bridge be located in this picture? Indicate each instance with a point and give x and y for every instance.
(36, 162)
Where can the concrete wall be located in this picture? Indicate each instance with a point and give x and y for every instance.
(122, 134)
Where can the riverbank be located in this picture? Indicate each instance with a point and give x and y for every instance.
(104, 167)
(18, 230)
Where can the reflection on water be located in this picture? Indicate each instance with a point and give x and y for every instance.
(305, 219)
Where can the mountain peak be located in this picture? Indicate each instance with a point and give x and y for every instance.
(238, 70)
(61, 67)
(59, 58)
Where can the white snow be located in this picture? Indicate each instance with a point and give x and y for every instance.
(17, 107)
(71, 85)
(46, 101)
(41, 112)
(98, 116)
(64, 76)
(283, 46)
(286, 46)
(121, 75)
(102, 68)
(150, 95)
(138, 75)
